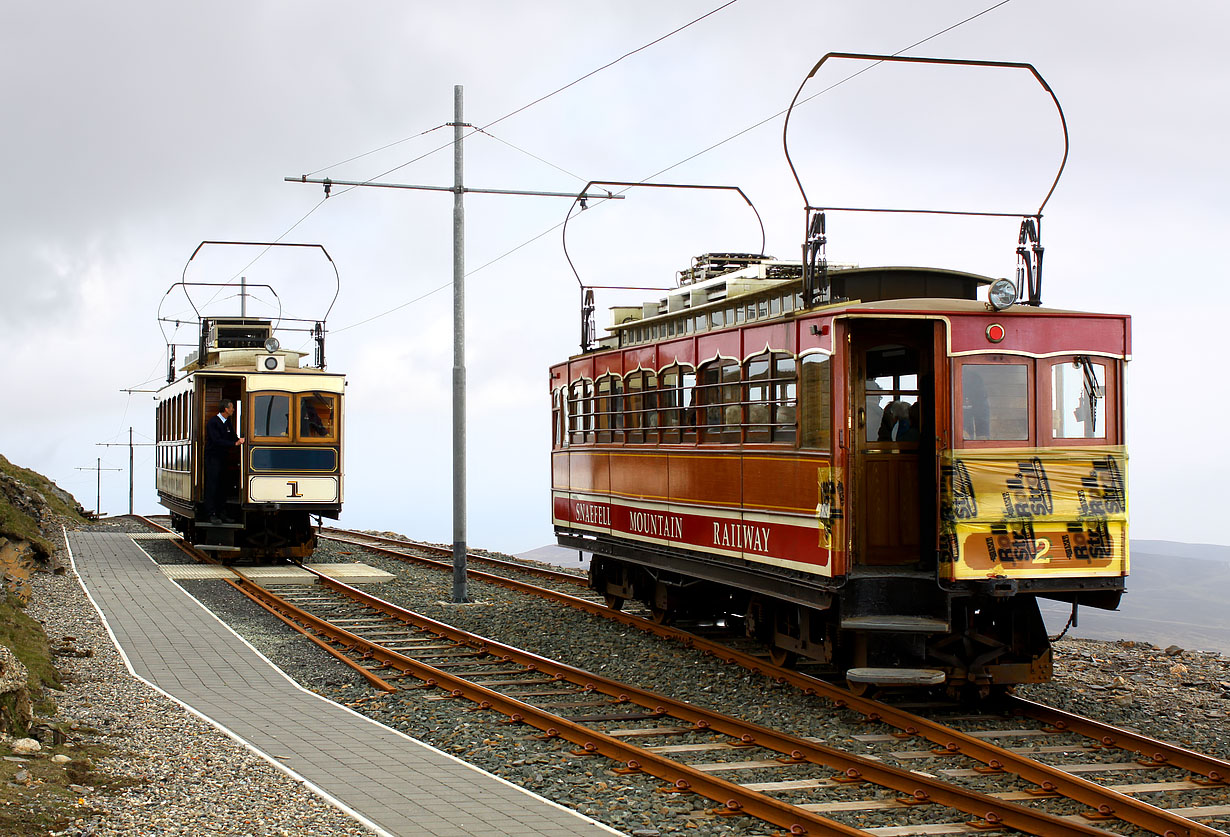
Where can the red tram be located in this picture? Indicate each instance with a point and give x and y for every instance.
(869, 467)
(888, 483)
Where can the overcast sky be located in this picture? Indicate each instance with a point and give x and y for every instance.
(133, 131)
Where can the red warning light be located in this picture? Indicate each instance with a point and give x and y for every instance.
(995, 332)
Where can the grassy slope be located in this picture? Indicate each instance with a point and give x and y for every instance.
(16, 524)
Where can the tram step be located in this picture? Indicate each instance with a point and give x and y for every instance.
(896, 676)
(205, 524)
(209, 547)
(895, 622)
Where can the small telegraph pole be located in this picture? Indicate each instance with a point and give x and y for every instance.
(459, 366)
(98, 499)
(130, 446)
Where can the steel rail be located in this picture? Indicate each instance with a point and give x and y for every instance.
(949, 740)
(1161, 753)
(681, 777)
(988, 809)
(542, 572)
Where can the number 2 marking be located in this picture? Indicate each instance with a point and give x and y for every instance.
(1043, 549)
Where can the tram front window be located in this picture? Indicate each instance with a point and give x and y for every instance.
(271, 415)
(995, 402)
(316, 416)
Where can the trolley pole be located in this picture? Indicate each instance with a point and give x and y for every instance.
(460, 593)
(131, 445)
(459, 190)
(98, 486)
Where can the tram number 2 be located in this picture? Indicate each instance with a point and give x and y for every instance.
(1042, 551)
(294, 488)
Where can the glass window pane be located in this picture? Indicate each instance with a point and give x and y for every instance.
(316, 416)
(271, 415)
(995, 401)
(815, 429)
(1078, 400)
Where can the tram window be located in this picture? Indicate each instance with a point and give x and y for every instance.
(633, 405)
(587, 410)
(775, 306)
(617, 408)
(602, 409)
(718, 394)
(730, 316)
(715, 319)
(787, 303)
(316, 416)
(271, 415)
(701, 322)
(890, 411)
(771, 402)
(815, 430)
(1078, 399)
(576, 422)
(995, 402)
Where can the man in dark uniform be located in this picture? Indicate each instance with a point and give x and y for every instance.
(220, 436)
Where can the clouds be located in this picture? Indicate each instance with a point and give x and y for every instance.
(134, 131)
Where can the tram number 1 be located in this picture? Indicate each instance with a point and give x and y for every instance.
(294, 488)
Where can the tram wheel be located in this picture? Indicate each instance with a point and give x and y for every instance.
(614, 602)
(781, 657)
(660, 615)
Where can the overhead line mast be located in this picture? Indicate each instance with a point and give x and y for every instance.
(460, 594)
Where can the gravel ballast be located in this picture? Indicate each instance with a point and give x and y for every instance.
(201, 782)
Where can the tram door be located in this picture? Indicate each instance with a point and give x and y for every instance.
(892, 395)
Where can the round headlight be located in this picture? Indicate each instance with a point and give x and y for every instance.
(1002, 294)
(272, 344)
(271, 363)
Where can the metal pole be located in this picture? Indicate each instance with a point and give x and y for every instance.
(243, 296)
(459, 359)
(130, 470)
(98, 497)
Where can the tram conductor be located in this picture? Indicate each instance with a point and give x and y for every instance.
(220, 437)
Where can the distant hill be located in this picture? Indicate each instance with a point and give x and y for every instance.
(1178, 594)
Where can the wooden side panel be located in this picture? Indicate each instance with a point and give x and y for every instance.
(640, 475)
(782, 483)
(714, 479)
(890, 512)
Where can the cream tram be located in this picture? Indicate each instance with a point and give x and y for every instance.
(289, 468)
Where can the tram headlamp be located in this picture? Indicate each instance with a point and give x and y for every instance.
(1002, 294)
(272, 345)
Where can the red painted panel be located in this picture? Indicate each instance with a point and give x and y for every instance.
(646, 357)
(1041, 334)
(775, 335)
(724, 343)
(581, 368)
(760, 541)
(808, 340)
(681, 351)
(612, 362)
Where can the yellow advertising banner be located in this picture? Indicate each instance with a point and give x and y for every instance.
(1035, 512)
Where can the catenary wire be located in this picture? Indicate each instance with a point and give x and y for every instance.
(688, 159)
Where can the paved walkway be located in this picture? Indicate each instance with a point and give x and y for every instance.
(387, 780)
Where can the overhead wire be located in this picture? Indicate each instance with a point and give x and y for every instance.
(676, 165)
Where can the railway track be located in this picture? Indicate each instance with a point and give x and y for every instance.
(1083, 748)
